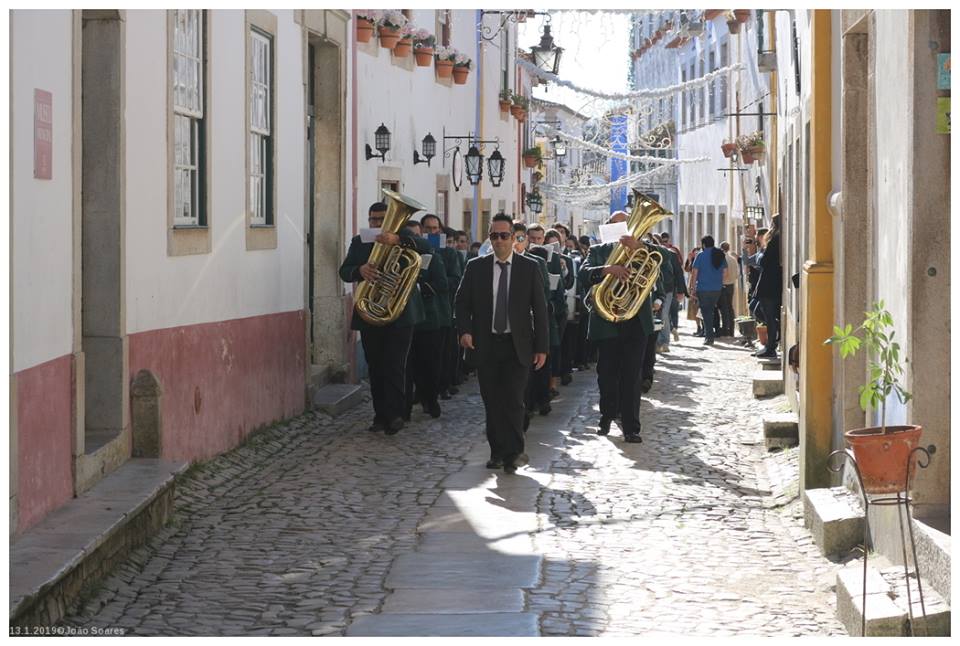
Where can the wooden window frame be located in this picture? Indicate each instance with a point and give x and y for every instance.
(260, 236)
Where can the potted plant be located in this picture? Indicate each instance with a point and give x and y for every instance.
(752, 147)
(423, 44)
(505, 100)
(747, 326)
(728, 147)
(742, 15)
(405, 45)
(732, 23)
(532, 157)
(461, 68)
(391, 22)
(519, 107)
(762, 334)
(365, 22)
(881, 452)
(444, 57)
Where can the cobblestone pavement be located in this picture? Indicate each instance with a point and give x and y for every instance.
(696, 531)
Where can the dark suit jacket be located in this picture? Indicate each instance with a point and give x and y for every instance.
(474, 304)
(770, 284)
(640, 326)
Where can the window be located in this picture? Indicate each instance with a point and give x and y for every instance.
(724, 61)
(188, 124)
(683, 99)
(444, 20)
(442, 210)
(701, 90)
(261, 139)
(389, 185)
(505, 59)
(712, 87)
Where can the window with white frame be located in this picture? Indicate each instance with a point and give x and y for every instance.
(261, 139)
(724, 61)
(712, 86)
(701, 91)
(188, 123)
(683, 99)
(505, 59)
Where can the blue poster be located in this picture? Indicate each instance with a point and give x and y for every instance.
(943, 71)
(618, 167)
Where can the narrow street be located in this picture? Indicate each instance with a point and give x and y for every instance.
(316, 526)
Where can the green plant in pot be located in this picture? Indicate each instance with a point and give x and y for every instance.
(532, 157)
(881, 452)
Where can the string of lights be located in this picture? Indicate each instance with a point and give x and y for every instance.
(576, 142)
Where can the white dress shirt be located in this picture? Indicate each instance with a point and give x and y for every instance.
(496, 284)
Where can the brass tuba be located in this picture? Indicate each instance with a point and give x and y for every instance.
(382, 301)
(617, 300)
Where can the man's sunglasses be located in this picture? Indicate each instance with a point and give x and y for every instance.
(503, 235)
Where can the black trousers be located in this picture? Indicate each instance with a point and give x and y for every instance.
(771, 313)
(446, 350)
(726, 310)
(386, 350)
(423, 367)
(503, 380)
(649, 357)
(568, 347)
(618, 370)
(538, 388)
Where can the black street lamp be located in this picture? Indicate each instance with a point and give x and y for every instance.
(381, 137)
(429, 147)
(474, 162)
(495, 164)
(535, 201)
(559, 147)
(546, 55)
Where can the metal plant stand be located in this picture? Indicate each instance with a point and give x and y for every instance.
(902, 500)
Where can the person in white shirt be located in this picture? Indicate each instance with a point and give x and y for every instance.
(730, 275)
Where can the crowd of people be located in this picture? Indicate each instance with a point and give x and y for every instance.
(520, 317)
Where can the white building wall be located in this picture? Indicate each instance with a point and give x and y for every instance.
(229, 282)
(411, 102)
(41, 246)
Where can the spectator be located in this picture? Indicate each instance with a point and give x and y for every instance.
(730, 275)
(706, 282)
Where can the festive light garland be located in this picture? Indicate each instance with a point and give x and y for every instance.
(636, 94)
(567, 191)
(597, 148)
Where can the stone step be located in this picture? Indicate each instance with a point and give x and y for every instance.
(769, 363)
(834, 517)
(887, 607)
(335, 399)
(79, 543)
(767, 383)
(933, 554)
(781, 431)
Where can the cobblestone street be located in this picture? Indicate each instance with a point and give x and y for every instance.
(317, 526)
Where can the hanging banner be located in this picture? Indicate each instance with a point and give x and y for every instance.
(943, 71)
(618, 167)
(42, 134)
(943, 116)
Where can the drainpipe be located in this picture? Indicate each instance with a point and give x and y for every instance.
(478, 123)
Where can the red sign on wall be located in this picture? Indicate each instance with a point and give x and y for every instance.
(42, 134)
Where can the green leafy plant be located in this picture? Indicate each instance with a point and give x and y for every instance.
(505, 95)
(520, 100)
(877, 334)
(533, 152)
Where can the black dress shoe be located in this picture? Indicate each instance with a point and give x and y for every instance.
(453, 390)
(509, 468)
(445, 395)
(494, 463)
(566, 379)
(394, 426)
(545, 409)
(377, 426)
(434, 409)
(554, 392)
(604, 426)
(646, 385)
(632, 438)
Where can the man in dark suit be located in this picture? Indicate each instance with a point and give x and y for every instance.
(494, 304)
(446, 352)
(622, 345)
(385, 347)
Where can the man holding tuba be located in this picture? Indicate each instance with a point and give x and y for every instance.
(621, 344)
(386, 342)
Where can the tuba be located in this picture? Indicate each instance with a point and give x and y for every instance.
(382, 301)
(616, 300)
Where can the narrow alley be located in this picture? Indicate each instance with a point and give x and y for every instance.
(317, 527)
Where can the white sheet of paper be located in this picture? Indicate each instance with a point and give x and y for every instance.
(369, 235)
(554, 281)
(612, 232)
(425, 261)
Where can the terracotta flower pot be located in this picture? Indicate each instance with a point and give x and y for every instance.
(733, 26)
(403, 48)
(460, 75)
(364, 30)
(424, 56)
(710, 14)
(882, 458)
(444, 69)
(757, 152)
(728, 149)
(746, 157)
(762, 334)
(504, 106)
(389, 37)
(516, 111)
(743, 15)
(530, 161)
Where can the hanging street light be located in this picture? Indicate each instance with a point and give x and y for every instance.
(429, 147)
(381, 138)
(535, 202)
(495, 164)
(546, 55)
(474, 162)
(559, 147)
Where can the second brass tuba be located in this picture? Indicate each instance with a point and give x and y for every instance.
(382, 301)
(619, 300)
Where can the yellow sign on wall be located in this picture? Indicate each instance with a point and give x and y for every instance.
(943, 115)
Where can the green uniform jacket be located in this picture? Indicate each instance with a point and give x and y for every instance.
(434, 288)
(358, 254)
(548, 296)
(599, 328)
(454, 269)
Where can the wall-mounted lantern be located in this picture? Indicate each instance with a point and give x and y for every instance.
(429, 148)
(381, 138)
(495, 165)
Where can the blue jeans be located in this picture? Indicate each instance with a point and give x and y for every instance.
(664, 336)
(708, 308)
(674, 313)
